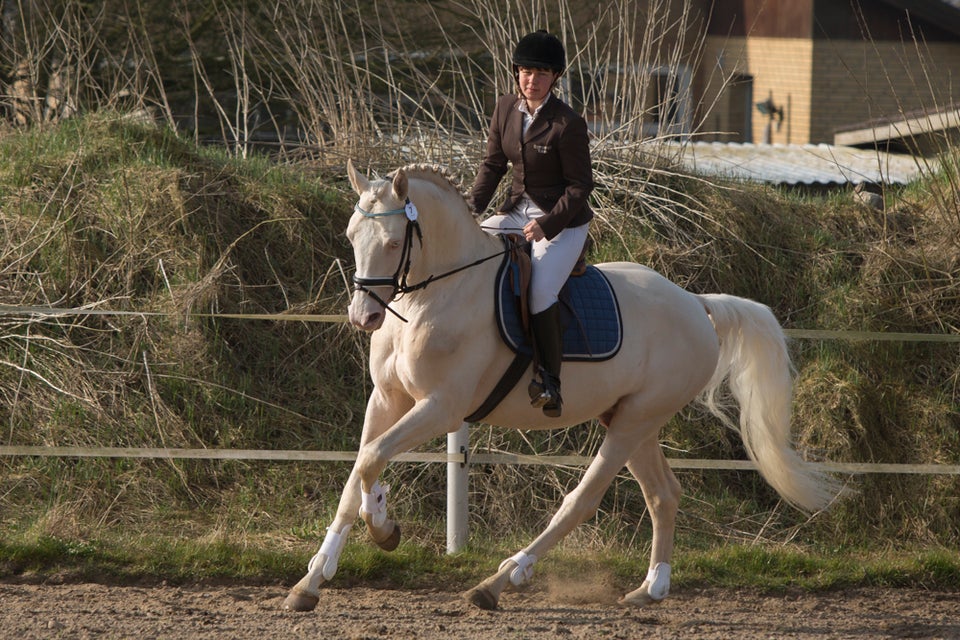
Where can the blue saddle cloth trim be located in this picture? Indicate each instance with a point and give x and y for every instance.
(593, 328)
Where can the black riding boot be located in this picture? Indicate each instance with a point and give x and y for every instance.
(548, 338)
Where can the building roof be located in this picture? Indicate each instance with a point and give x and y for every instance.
(794, 164)
(943, 13)
(922, 131)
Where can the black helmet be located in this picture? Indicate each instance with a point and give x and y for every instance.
(540, 50)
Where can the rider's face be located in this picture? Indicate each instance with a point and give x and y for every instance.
(535, 84)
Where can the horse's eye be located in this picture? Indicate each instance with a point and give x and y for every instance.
(394, 244)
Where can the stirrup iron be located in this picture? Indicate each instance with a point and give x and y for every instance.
(545, 394)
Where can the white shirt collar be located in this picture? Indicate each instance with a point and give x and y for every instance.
(528, 117)
(522, 106)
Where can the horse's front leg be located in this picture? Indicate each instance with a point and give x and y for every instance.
(429, 418)
(381, 413)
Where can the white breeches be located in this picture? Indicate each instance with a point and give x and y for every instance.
(552, 259)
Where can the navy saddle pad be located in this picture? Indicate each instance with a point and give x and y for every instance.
(590, 313)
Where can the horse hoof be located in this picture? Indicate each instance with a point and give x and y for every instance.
(392, 541)
(299, 601)
(637, 599)
(482, 598)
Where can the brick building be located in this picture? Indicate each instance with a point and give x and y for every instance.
(797, 71)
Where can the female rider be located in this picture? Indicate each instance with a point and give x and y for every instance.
(547, 143)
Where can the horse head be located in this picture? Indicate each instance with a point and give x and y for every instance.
(391, 221)
(378, 232)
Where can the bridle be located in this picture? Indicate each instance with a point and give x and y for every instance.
(399, 278)
(398, 281)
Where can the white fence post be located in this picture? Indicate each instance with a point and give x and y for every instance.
(458, 489)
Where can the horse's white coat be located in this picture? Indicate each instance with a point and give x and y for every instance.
(431, 371)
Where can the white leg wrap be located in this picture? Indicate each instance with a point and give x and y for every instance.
(331, 549)
(375, 503)
(524, 569)
(658, 581)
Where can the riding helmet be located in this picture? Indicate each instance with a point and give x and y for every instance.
(540, 50)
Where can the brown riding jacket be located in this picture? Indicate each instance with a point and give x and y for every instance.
(552, 164)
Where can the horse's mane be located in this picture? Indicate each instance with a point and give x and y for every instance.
(434, 174)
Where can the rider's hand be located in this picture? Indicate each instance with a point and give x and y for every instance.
(533, 232)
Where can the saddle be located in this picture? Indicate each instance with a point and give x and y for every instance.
(590, 314)
(518, 261)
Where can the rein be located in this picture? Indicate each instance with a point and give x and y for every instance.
(398, 281)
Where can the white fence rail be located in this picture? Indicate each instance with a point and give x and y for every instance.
(454, 456)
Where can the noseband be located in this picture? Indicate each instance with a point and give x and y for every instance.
(398, 281)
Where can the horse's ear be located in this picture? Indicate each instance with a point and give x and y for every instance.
(358, 181)
(400, 184)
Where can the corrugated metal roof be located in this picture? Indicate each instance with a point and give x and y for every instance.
(808, 164)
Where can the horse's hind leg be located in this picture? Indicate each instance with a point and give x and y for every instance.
(661, 491)
(579, 505)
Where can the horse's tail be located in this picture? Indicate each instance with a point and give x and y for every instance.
(755, 362)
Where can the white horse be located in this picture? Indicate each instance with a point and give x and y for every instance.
(439, 361)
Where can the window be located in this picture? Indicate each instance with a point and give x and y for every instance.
(638, 101)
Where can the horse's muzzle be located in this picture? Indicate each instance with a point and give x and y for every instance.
(365, 312)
